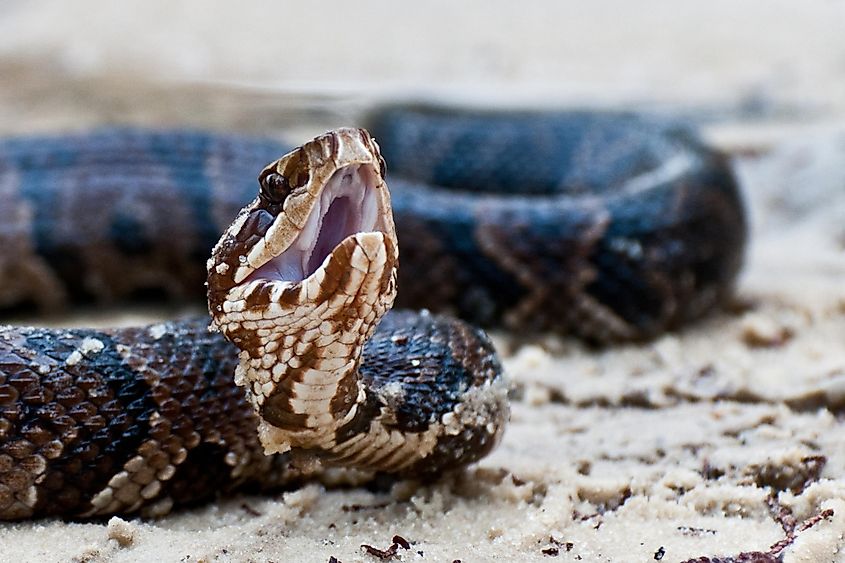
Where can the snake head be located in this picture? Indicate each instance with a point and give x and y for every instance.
(322, 214)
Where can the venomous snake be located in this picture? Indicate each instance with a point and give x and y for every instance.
(608, 226)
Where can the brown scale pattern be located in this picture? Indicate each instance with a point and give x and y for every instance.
(133, 421)
(101, 422)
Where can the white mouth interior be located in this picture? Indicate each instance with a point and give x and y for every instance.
(347, 205)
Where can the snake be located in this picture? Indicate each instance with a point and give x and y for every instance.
(609, 226)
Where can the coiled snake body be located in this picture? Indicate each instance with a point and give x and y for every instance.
(605, 225)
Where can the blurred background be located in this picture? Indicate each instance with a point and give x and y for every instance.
(752, 72)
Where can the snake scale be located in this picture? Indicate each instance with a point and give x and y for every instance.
(608, 226)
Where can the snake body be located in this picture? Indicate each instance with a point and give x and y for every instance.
(609, 226)
(606, 225)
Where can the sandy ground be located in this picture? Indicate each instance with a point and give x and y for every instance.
(724, 438)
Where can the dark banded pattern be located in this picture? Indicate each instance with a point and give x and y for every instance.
(609, 226)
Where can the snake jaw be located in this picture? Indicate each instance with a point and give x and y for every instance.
(334, 188)
(348, 204)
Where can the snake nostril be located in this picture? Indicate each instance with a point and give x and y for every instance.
(300, 178)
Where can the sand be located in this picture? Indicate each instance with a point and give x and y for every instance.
(723, 438)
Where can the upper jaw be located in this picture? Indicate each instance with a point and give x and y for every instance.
(264, 230)
(344, 194)
(351, 202)
(250, 265)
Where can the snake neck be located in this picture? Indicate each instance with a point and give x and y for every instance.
(300, 369)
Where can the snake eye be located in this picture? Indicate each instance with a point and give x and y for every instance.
(274, 188)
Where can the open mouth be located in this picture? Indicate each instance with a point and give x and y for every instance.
(346, 206)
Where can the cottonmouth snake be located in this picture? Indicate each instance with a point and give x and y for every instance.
(608, 226)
